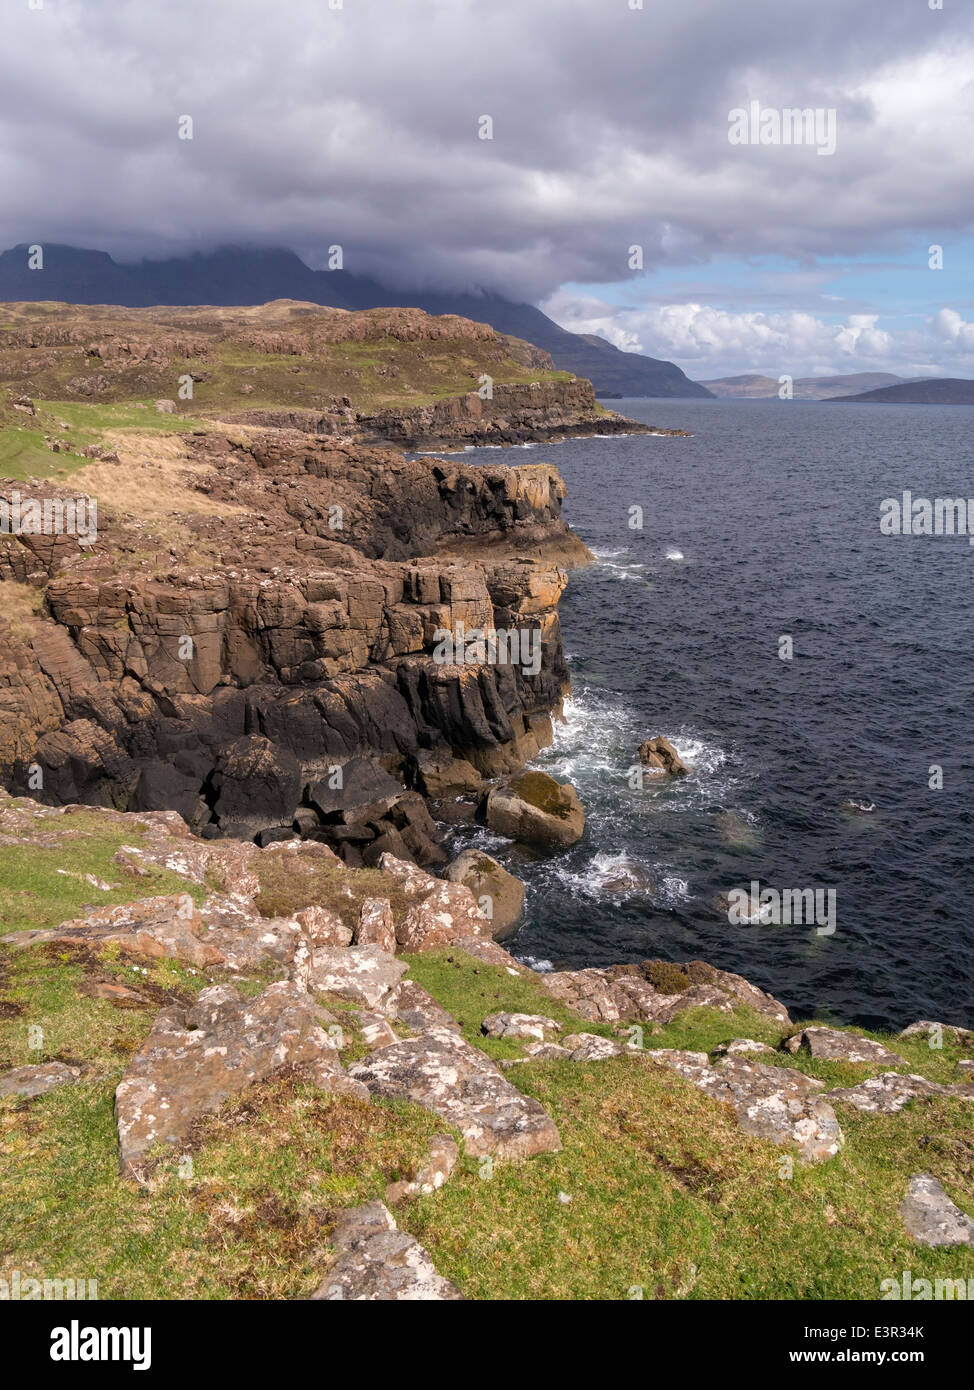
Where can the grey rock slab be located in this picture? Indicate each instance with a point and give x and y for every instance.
(363, 974)
(37, 1079)
(931, 1218)
(197, 1058)
(890, 1091)
(833, 1045)
(379, 1263)
(531, 1026)
(440, 1071)
(773, 1103)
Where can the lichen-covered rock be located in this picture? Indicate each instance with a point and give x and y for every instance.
(363, 974)
(773, 1103)
(434, 1173)
(165, 926)
(832, 1045)
(628, 992)
(890, 1091)
(415, 1007)
(376, 926)
(440, 1071)
(738, 1046)
(440, 913)
(195, 1059)
(935, 1032)
(379, 1263)
(532, 1026)
(37, 1079)
(931, 1218)
(591, 1047)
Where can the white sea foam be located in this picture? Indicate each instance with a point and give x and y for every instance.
(674, 554)
(672, 890)
(610, 875)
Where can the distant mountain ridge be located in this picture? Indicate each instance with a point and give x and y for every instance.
(753, 386)
(941, 390)
(231, 276)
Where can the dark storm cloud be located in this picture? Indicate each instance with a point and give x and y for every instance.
(358, 125)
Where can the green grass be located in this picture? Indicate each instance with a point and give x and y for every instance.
(471, 990)
(251, 1219)
(94, 419)
(669, 1198)
(43, 886)
(23, 453)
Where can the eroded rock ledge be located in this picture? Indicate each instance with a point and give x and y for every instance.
(277, 620)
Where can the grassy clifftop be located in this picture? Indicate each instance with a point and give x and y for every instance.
(95, 369)
(657, 1193)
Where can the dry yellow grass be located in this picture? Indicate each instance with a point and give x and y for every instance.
(154, 476)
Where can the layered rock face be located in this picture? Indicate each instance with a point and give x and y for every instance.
(270, 653)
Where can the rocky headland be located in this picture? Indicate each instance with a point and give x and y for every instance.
(249, 1011)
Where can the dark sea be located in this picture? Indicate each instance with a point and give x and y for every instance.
(764, 525)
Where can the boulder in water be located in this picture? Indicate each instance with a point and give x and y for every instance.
(537, 810)
(662, 759)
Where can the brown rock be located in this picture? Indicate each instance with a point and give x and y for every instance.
(659, 755)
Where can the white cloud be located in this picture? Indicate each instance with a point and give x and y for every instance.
(711, 342)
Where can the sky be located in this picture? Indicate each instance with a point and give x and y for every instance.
(613, 191)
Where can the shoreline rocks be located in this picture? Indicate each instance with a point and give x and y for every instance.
(499, 894)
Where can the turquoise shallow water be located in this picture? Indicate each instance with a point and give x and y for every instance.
(766, 523)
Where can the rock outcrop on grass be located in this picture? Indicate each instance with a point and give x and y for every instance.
(37, 1079)
(887, 1093)
(773, 1103)
(656, 992)
(440, 1071)
(195, 1059)
(379, 1263)
(931, 1218)
(832, 1045)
